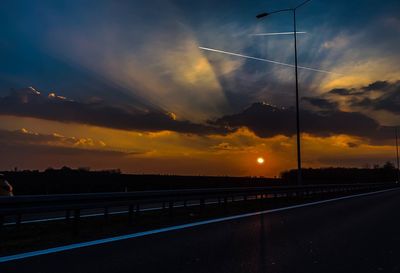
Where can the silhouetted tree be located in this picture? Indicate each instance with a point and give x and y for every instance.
(386, 173)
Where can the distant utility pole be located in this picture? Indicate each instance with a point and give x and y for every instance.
(397, 156)
(262, 15)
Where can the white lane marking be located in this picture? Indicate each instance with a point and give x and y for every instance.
(265, 60)
(166, 229)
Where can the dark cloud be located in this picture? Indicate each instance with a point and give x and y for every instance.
(389, 100)
(321, 103)
(267, 121)
(31, 103)
(353, 145)
(390, 103)
(323, 119)
(340, 91)
(378, 85)
(387, 97)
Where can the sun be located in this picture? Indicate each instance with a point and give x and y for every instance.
(260, 160)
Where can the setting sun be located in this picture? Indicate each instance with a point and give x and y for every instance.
(260, 160)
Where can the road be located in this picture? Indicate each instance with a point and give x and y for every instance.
(360, 234)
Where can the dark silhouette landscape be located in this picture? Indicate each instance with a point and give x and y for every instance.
(67, 180)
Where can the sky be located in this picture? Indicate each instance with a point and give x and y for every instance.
(126, 85)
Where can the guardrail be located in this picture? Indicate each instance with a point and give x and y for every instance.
(20, 205)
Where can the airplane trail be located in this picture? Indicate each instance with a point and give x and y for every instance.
(265, 60)
(277, 33)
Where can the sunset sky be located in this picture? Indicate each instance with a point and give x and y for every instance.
(124, 84)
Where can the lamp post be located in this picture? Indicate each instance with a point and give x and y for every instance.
(397, 156)
(262, 15)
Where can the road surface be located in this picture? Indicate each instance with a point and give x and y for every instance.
(360, 234)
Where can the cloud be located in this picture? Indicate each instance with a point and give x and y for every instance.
(224, 146)
(23, 145)
(322, 104)
(26, 149)
(379, 95)
(340, 91)
(153, 57)
(388, 100)
(378, 85)
(25, 137)
(322, 117)
(31, 103)
(150, 55)
(268, 121)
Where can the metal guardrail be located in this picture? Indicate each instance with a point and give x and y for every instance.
(19, 205)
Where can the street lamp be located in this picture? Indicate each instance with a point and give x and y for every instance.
(260, 16)
(397, 157)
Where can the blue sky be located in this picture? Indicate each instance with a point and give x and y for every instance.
(38, 38)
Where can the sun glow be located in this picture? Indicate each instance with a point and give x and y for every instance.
(260, 160)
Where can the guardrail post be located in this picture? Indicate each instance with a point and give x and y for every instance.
(106, 213)
(137, 210)
(300, 194)
(265, 197)
(131, 210)
(77, 217)
(18, 221)
(260, 201)
(170, 207)
(2, 234)
(225, 202)
(202, 203)
(77, 214)
(67, 214)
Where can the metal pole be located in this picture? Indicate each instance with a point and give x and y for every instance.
(298, 131)
(397, 156)
(299, 175)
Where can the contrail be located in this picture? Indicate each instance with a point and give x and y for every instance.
(266, 60)
(277, 33)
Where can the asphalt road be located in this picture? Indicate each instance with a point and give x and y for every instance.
(360, 234)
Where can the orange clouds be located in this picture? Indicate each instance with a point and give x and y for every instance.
(171, 152)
